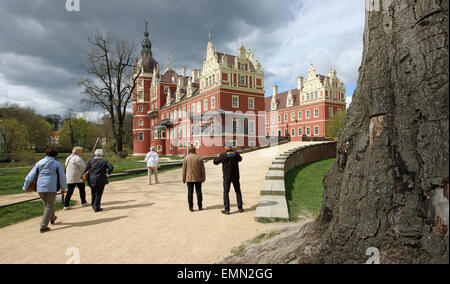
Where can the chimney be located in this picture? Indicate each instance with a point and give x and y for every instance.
(275, 91)
(195, 74)
(183, 71)
(300, 83)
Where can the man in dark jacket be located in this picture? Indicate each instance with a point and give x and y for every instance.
(230, 166)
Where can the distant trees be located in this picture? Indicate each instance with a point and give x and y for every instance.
(13, 137)
(335, 124)
(34, 127)
(22, 130)
(55, 120)
(77, 132)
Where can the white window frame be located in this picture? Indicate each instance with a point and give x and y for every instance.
(141, 122)
(316, 113)
(251, 130)
(330, 112)
(308, 131)
(205, 105)
(308, 114)
(233, 101)
(213, 102)
(252, 104)
(140, 109)
(300, 115)
(199, 107)
(159, 148)
(141, 134)
(293, 116)
(300, 131)
(197, 144)
(316, 133)
(286, 117)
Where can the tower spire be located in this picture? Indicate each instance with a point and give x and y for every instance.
(146, 44)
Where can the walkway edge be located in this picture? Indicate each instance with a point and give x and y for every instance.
(272, 204)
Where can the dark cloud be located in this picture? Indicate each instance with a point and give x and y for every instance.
(42, 45)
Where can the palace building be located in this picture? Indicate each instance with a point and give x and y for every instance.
(219, 105)
(305, 111)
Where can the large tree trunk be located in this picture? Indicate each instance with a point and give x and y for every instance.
(384, 191)
(389, 186)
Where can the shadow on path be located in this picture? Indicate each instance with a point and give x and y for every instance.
(87, 223)
(128, 206)
(217, 207)
(118, 202)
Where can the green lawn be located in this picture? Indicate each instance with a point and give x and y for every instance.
(21, 212)
(304, 189)
(12, 179)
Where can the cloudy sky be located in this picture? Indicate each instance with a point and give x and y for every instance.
(42, 45)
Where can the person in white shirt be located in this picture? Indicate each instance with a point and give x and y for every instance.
(152, 160)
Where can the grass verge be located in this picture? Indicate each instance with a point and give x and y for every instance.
(304, 189)
(22, 212)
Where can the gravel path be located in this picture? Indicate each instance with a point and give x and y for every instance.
(148, 224)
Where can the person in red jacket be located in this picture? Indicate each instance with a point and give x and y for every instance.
(230, 166)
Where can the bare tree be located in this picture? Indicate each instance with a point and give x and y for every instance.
(110, 85)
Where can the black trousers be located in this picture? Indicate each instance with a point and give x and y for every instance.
(97, 192)
(226, 193)
(71, 189)
(198, 191)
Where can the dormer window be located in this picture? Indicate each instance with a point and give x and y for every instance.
(274, 105)
(289, 102)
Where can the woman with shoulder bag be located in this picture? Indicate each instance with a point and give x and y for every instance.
(50, 175)
(74, 167)
(99, 171)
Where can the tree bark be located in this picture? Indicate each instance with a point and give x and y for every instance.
(393, 151)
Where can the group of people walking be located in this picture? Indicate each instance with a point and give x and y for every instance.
(50, 177)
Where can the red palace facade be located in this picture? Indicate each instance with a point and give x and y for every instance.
(306, 110)
(219, 105)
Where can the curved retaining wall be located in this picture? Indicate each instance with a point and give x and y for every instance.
(272, 203)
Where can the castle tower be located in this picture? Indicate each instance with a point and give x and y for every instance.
(143, 111)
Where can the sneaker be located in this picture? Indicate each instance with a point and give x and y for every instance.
(85, 204)
(45, 230)
(225, 212)
(53, 221)
(66, 208)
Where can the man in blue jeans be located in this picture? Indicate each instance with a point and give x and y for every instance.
(230, 166)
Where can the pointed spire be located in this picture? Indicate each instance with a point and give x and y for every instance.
(146, 44)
